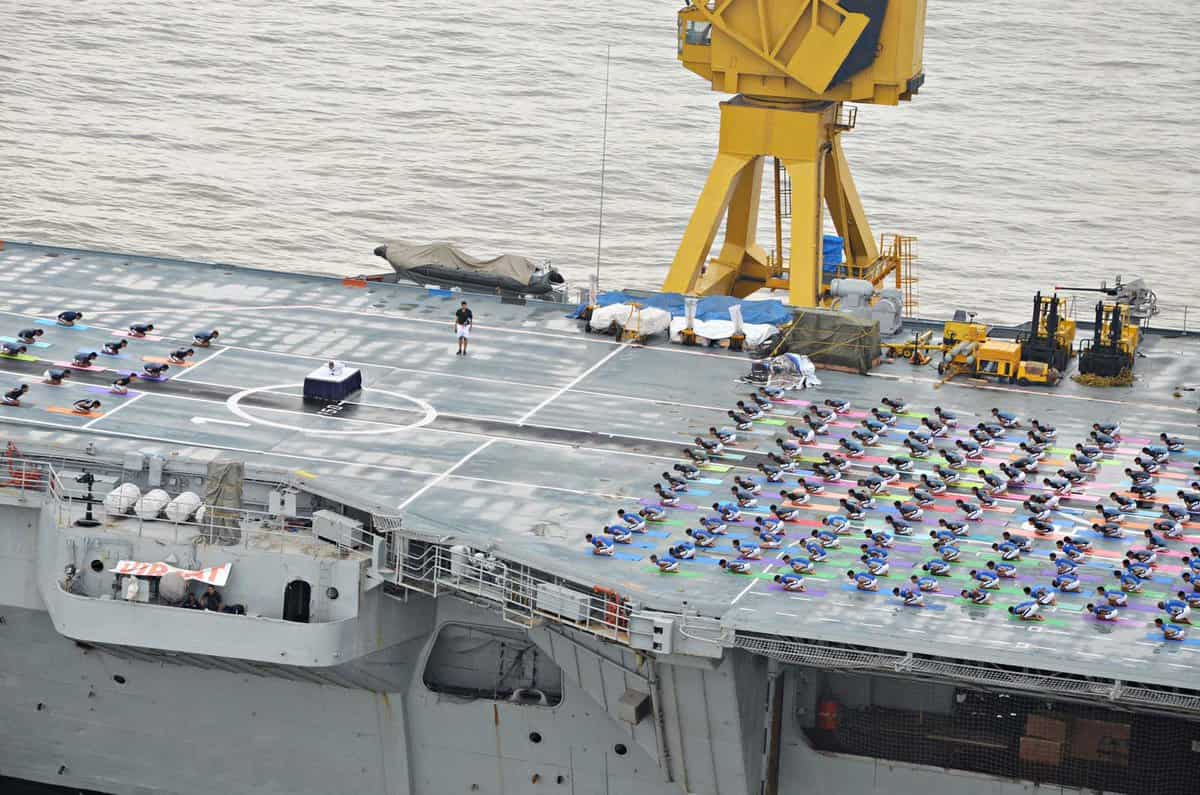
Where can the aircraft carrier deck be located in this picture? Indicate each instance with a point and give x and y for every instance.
(542, 432)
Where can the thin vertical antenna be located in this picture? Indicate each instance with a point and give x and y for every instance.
(603, 160)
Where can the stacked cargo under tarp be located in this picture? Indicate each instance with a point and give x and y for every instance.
(834, 340)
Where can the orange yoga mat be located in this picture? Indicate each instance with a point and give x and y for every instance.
(73, 413)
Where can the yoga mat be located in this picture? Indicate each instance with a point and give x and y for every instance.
(166, 361)
(91, 368)
(41, 321)
(99, 390)
(73, 413)
(16, 341)
(20, 357)
(147, 337)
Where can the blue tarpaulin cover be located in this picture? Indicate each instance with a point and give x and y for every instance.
(716, 307)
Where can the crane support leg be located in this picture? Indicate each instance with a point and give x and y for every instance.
(804, 137)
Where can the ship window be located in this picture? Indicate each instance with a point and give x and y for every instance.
(494, 663)
(699, 33)
(296, 598)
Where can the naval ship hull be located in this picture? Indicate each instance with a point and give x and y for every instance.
(482, 648)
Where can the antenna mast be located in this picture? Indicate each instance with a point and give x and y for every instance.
(603, 159)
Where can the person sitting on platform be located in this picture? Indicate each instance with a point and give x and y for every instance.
(740, 421)
(12, 348)
(1067, 582)
(619, 532)
(925, 583)
(728, 511)
(1027, 611)
(55, 375)
(600, 544)
(1129, 582)
(113, 347)
(674, 483)
(723, 435)
(700, 538)
(1008, 551)
(689, 471)
(863, 581)
(1041, 594)
(181, 355)
(747, 550)
(85, 405)
(69, 318)
(1170, 631)
(13, 396)
(790, 582)
(190, 602)
(1004, 570)
(140, 329)
(799, 565)
(1114, 598)
(683, 551)
(665, 565)
(938, 568)
(211, 599)
(976, 596)
(636, 522)
(912, 597)
(205, 338)
(29, 335)
(1177, 609)
(155, 370)
(735, 566)
(1020, 542)
(84, 358)
(1103, 611)
(121, 385)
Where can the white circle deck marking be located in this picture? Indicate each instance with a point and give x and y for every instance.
(234, 401)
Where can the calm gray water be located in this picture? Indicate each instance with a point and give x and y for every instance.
(1053, 142)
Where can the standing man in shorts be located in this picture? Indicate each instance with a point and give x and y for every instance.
(462, 327)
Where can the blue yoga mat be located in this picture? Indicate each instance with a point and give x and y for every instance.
(16, 341)
(41, 321)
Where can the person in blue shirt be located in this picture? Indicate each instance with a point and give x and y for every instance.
(1192, 599)
(1192, 559)
(1022, 543)
(1070, 550)
(1003, 570)
(1169, 528)
(689, 471)
(728, 511)
(653, 514)
(1027, 611)
(744, 498)
(972, 448)
(747, 550)
(1006, 418)
(735, 566)
(863, 581)
(1192, 580)
(1170, 631)
(800, 565)
(947, 476)
(1129, 583)
(768, 524)
(827, 539)
(1079, 542)
(877, 566)
(1109, 514)
(1041, 594)
(1103, 611)
(770, 540)
(880, 539)
(714, 525)
(1177, 609)
(1173, 443)
(886, 417)
(683, 551)
(700, 538)
(925, 583)
(942, 536)
(600, 544)
(1114, 598)
(773, 473)
(790, 582)
(1007, 550)
(634, 521)
(912, 597)
(1124, 504)
(1036, 510)
(852, 510)
(1060, 486)
(1157, 453)
(205, 337)
(976, 596)
(1063, 564)
(1147, 557)
(986, 578)
(1139, 570)
(69, 317)
(938, 568)
(746, 484)
(909, 510)
(665, 565)
(620, 533)
(948, 551)
(1067, 583)
(873, 551)
(816, 552)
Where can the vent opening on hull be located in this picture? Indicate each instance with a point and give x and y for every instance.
(1002, 734)
(494, 663)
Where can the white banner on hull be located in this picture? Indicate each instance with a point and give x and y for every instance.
(213, 575)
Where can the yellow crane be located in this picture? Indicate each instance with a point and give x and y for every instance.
(793, 65)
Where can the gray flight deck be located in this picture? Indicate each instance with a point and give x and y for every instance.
(542, 432)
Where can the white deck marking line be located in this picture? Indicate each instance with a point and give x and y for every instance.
(747, 589)
(128, 402)
(189, 370)
(220, 308)
(438, 479)
(603, 361)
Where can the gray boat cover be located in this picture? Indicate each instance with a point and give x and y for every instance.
(405, 256)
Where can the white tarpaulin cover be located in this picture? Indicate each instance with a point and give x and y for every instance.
(213, 575)
(722, 329)
(406, 256)
(646, 321)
